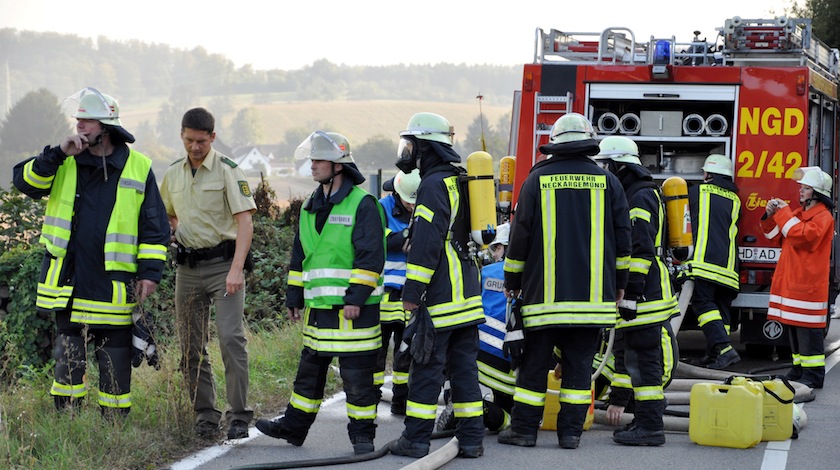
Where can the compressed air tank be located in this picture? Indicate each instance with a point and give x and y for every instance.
(675, 190)
(507, 171)
(482, 192)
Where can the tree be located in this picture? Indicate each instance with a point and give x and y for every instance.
(824, 14)
(247, 127)
(378, 152)
(34, 122)
(182, 99)
(495, 137)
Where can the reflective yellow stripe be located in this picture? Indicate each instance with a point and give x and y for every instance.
(307, 405)
(421, 410)
(529, 397)
(709, 316)
(639, 213)
(114, 401)
(424, 213)
(650, 393)
(361, 412)
(468, 410)
(514, 266)
(34, 179)
(295, 278)
(418, 273)
(64, 390)
(575, 397)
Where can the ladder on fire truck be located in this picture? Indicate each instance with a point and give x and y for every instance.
(780, 41)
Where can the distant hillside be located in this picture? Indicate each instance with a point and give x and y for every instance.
(358, 120)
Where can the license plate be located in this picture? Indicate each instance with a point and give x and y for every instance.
(759, 255)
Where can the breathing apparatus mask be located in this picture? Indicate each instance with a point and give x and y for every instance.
(408, 154)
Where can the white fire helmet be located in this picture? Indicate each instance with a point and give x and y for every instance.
(329, 146)
(571, 127)
(502, 235)
(619, 149)
(814, 177)
(406, 185)
(718, 164)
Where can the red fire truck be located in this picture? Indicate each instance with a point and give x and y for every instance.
(764, 93)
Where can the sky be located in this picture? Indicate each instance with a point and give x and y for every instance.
(291, 34)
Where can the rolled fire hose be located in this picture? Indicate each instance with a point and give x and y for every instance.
(437, 458)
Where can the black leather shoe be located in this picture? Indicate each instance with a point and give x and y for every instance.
(362, 445)
(275, 429)
(206, 429)
(626, 427)
(725, 360)
(639, 436)
(509, 436)
(471, 452)
(238, 429)
(568, 442)
(406, 448)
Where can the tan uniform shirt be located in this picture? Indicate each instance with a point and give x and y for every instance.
(205, 203)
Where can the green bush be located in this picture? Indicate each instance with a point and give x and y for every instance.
(25, 334)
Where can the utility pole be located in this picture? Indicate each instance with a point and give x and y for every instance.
(480, 97)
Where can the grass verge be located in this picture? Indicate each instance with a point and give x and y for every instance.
(159, 429)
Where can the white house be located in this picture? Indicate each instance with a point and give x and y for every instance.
(255, 162)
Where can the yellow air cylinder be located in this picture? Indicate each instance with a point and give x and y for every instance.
(507, 172)
(675, 190)
(482, 192)
(726, 415)
(552, 406)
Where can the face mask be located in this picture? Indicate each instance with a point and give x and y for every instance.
(407, 155)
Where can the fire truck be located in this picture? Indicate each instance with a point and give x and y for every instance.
(763, 93)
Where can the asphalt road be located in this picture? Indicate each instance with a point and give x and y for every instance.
(815, 448)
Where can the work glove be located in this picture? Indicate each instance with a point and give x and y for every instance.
(514, 345)
(627, 309)
(142, 342)
(419, 335)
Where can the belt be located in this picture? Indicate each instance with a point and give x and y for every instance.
(194, 255)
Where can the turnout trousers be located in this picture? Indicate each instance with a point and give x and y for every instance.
(112, 347)
(711, 302)
(638, 353)
(577, 348)
(357, 374)
(807, 348)
(455, 353)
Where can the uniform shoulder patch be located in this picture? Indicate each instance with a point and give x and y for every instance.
(244, 188)
(227, 161)
(177, 161)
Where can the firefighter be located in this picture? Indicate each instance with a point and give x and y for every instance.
(106, 236)
(715, 211)
(799, 291)
(441, 291)
(648, 302)
(398, 207)
(569, 259)
(494, 369)
(334, 279)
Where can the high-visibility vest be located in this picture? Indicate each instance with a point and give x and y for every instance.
(122, 249)
(328, 262)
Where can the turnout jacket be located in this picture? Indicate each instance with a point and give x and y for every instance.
(649, 281)
(93, 275)
(715, 209)
(435, 274)
(397, 220)
(799, 291)
(569, 245)
(337, 260)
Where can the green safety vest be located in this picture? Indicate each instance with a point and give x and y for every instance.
(328, 263)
